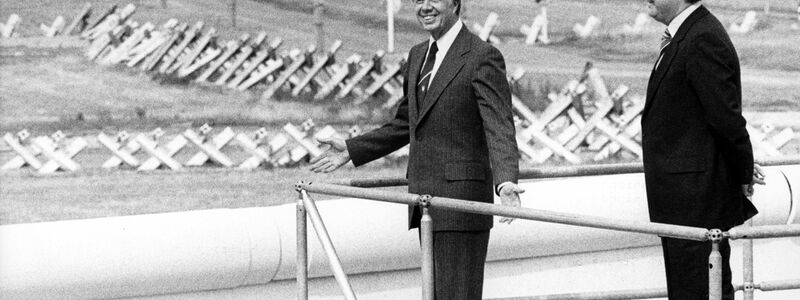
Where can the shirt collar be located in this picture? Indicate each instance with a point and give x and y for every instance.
(446, 40)
(675, 24)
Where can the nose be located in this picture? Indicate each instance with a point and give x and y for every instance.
(425, 4)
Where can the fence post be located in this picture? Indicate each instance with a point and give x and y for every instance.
(327, 246)
(319, 8)
(426, 241)
(233, 13)
(390, 26)
(747, 265)
(302, 249)
(715, 266)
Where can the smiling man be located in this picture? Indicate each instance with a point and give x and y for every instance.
(456, 116)
(698, 161)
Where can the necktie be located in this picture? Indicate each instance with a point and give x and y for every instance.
(425, 74)
(665, 39)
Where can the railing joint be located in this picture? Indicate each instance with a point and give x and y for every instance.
(748, 287)
(424, 201)
(301, 184)
(715, 235)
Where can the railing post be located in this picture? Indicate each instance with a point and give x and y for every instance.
(426, 241)
(390, 26)
(747, 265)
(302, 249)
(715, 266)
(327, 245)
(233, 13)
(319, 8)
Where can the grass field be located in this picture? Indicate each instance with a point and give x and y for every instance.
(48, 89)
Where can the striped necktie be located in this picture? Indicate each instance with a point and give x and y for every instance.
(665, 39)
(425, 74)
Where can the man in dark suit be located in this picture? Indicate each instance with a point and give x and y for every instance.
(698, 161)
(456, 116)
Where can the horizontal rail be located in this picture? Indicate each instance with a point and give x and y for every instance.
(763, 232)
(778, 285)
(676, 231)
(609, 295)
(371, 182)
(650, 293)
(555, 172)
(358, 192)
(582, 170)
(777, 161)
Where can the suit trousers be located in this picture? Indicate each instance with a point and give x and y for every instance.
(686, 264)
(458, 262)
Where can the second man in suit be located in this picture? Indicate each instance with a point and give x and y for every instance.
(698, 160)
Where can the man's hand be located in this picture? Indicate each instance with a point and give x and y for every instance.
(509, 196)
(758, 178)
(333, 158)
(758, 175)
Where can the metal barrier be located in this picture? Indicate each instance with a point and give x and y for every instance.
(357, 189)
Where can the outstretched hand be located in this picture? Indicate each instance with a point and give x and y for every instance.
(333, 158)
(509, 196)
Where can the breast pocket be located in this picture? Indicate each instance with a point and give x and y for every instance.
(466, 171)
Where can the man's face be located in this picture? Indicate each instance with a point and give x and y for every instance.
(436, 16)
(665, 10)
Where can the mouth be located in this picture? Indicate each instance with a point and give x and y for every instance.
(428, 18)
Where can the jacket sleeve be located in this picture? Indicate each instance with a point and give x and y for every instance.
(494, 100)
(384, 140)
(713, 72)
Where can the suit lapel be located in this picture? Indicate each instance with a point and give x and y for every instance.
(658, 73)
(448, 70)
(415, 59)
(669, 54)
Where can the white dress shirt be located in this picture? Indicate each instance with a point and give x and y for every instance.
(676, 23)
(443, 43)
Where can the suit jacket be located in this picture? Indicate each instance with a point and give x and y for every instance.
(461, 137)
(697, 151)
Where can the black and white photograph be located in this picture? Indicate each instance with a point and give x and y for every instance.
(400, 149)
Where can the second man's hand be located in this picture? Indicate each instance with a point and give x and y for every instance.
(333, 158)
(509, 196)
(758, 178)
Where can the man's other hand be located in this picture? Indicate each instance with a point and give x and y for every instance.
(758, 175)
(333, 158)
(758, 178)
(509, 196)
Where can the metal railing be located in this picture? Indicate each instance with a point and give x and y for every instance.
(357, 189)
